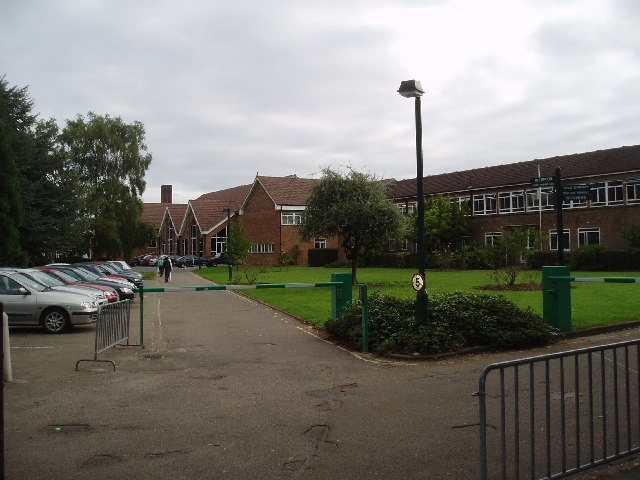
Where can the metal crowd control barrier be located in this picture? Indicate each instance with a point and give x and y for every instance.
(341, 296)
(556, 300)
(555, 415)
(112, 328)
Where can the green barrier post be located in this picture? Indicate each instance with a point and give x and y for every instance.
(364, 298)
(141, 291)
(341, 295)
(556, 299)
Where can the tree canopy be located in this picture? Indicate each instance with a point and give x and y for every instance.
(354, 208)
(68, 193)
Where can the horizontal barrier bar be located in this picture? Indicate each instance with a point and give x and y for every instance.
(598, 279)
(258, 286)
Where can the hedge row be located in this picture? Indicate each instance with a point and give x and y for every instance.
(456, 320)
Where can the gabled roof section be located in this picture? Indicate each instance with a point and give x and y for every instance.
(287, 191)
(209, 212)
(235, 194)
(174, 212)
(152, 213)
(600, 162)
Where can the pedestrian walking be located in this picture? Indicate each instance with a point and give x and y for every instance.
(167, 269)
(160, 266)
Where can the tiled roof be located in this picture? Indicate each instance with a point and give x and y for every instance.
(236, 194)
(290, 190)
(209, 211)
(177, 210)
(153, 213)
(600, 162)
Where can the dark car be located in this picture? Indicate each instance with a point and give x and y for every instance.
(218, 259)
(130, 275)
(101, 269)
(123, 287)
(192, 261)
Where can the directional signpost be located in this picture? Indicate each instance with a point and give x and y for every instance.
(576, 193)
(563, 193)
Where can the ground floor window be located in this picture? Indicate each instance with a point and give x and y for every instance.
(320, 243)
(492, 238)
(262, 248)
(553, 239)
(588, 236)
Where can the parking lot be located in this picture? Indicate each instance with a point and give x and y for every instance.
(228, 388)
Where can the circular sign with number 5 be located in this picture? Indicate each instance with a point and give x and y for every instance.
(417, 282)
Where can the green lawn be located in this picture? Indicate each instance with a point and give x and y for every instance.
(592, 303)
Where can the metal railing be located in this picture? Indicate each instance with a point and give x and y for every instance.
(112, 328)
(555, 415)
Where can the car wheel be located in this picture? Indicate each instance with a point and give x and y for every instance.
(55, 320)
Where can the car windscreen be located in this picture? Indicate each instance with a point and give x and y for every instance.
(46, 279)
(29, 282)
(64, 275)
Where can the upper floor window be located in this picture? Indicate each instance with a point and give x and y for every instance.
(607, 193)
(462, 202)
(407, 208)
(484, 204)
(633, 190)
(541, 199)
(291, 218)
(511, 202)
(320, 243)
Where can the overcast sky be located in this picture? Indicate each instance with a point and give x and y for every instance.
(230, 88)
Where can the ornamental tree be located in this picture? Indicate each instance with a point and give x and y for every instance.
(354, 208)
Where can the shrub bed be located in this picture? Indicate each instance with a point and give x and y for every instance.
(456, 320)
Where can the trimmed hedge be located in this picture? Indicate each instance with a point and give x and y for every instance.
(456, 320)
(319, 257)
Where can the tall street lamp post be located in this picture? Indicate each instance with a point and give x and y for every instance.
(229, 261)
(413, 89)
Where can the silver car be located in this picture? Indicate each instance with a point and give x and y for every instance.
(28, 302)
(56, 284)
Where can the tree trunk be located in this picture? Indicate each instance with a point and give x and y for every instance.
(354, 269)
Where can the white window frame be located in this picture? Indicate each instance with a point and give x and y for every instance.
(538, 196)
(291, 218)
(264, 247)
(553, 239)
(490, 237)
(484, 204)
(511, 202)
(320, 243)
(633, 191)
(583, 236)
(610, 192)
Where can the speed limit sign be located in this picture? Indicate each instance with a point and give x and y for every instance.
(417, 282)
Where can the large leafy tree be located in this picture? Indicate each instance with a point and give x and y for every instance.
(111, 159)
(353, 207)
(11, 211)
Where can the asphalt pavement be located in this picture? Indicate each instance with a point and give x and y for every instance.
(227, 388)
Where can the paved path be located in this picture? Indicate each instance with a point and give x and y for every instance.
(226, 388)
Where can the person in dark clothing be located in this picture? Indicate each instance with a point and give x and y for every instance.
(167, 269)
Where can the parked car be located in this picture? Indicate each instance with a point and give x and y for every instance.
(56, 284)
(120, 264)
(27, 302)
(100, 269)
(124, 288)
(192, 260)
(110, 292)
(218, 259)
(134, 277)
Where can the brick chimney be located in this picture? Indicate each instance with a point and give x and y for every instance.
(166, 194)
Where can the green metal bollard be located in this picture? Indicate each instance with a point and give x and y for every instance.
(341, 296)
(364, 298)
(556, 297)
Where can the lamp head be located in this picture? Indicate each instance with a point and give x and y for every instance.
(410, 89)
